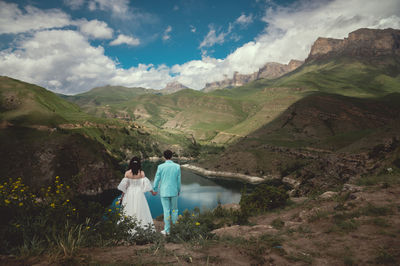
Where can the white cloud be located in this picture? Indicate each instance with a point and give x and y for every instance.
(289, 34)
(244, 20)
(124, 39)
(117, 7)
(193, 28)
(64, 61)
(213, 38)
(147, 76)
(74, 4)
(166, 36)
(61, 60)
(15, 20)
(96, 29)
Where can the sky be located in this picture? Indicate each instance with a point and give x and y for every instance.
(72, 46)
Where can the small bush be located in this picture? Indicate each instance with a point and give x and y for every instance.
(263, 198)
(191, 226)
(278, 223)
(372, 210)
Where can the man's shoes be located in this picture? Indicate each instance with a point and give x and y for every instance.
(164, 233)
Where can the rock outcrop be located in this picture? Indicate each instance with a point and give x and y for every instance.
(173, 87)
(268, 71)
(360, 43)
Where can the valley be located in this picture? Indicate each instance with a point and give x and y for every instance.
(334, 113)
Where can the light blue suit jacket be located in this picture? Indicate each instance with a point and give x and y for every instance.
(168, 176)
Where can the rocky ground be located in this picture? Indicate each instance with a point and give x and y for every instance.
(359, 225)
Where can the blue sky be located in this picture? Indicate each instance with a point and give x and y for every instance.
(71, 46)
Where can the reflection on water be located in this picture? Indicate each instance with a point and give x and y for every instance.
(196, 191)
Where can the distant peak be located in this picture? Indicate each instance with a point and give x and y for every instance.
(359, 43)
(173, 87)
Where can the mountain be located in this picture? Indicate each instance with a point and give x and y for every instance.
(268, 71)
(107, 95)
(346, 122)
(363, 43)
(366, 64)
(225, 115)
(320, 142)
(43, 135)
(173, 87)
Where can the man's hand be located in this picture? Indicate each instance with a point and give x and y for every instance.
(153, 193)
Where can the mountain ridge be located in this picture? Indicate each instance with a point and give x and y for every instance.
(359, 43)
(270, 70)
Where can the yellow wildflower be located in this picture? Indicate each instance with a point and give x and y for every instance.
(87, 227)
(193, 214)
(1, 186)
(73, 209)
(22, 190)
(67, 200)
(7, 201)
(117, 203)
(17, 225)
(67, 187)
(197, 223)
(53, 205)
(109, 210)
(20, 204)
(58, 192)
(57, 177)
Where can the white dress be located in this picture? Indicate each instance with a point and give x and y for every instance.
(134, 201)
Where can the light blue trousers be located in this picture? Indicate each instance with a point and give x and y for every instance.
(170, 207)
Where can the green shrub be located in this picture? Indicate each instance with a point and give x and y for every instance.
(278, 223)
(192, 226)
(54, 220)
(263, 198)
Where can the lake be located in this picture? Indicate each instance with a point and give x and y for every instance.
(196, 191)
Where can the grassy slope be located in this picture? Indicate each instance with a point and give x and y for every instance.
(346, 76)
(226, 115)
(48, 120)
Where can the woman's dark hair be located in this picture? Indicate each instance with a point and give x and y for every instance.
(167, 154)
(135, 165)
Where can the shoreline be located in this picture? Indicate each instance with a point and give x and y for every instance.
(226, 175)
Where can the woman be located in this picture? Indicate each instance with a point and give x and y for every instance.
(133, 186)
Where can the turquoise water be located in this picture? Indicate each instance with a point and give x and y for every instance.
(196, 191)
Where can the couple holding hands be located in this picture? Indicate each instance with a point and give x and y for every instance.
(167, 182)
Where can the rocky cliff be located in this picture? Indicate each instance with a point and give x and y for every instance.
(173, 87)
(360, 43)
(268, 71)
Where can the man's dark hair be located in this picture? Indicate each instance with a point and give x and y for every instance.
(167, 154)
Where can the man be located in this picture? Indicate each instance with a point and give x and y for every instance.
(168, 177)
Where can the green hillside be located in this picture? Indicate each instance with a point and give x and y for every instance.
(107, 95)
(42, 135)
(358, 77)
(321, 141)
(27, 104)
(224, 116)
